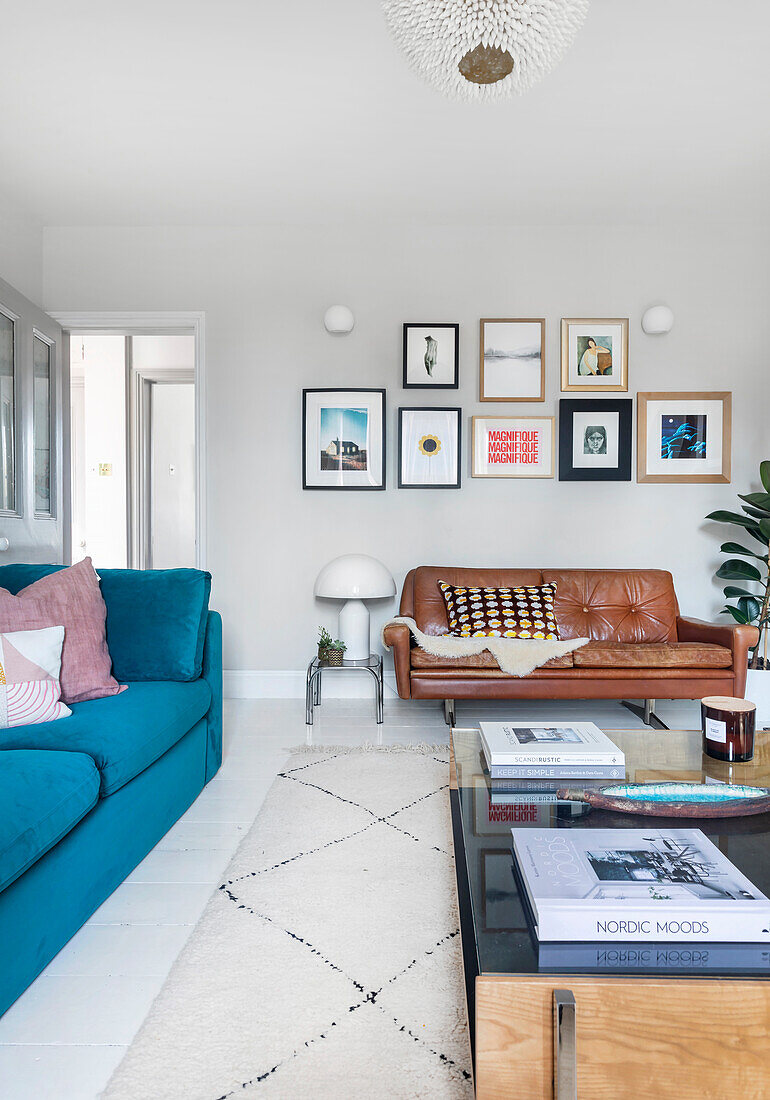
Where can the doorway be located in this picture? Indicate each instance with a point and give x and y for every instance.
(136, 412)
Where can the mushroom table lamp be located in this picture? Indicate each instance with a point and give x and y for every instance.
(355, 578)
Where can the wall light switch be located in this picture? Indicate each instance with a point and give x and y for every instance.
(105, 469)
(172, 470)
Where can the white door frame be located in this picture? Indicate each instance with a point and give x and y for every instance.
(161, 324)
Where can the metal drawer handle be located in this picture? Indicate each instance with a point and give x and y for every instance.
(564, 1045)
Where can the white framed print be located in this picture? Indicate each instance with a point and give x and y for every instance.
(431, 356)
(511, 359)
(513, 446)
(343, 439)
(594, 354)
(429, 448)
(684, 437)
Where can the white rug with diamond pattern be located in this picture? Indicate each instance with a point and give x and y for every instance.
(328, 962)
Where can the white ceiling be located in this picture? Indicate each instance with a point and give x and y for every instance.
(240, 111)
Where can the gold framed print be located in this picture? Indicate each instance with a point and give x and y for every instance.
(511, 359)
(594, 354)
(513, 446)
(683, 437)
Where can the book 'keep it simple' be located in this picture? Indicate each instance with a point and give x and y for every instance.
(655, 885)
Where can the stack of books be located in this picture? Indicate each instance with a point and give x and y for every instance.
(587, 887)
(538, 758)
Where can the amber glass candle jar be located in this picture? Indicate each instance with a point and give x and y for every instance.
(728, 727)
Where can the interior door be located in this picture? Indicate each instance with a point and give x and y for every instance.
(34, 438)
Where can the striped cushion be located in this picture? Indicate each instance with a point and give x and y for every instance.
(30, 662)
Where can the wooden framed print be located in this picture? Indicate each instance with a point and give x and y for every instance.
(429, 448)
(683, 437)
(594, 354)
(513, 446)
(343, 439)
(595, 439)
(511, 359)
(431, 356)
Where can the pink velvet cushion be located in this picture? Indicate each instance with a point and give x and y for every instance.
(73, 599)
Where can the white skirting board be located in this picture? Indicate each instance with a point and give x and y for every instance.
(290, 684)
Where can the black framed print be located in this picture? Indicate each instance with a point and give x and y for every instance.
(431, 356)
(343, 439)
(429, 448)
(595, 439)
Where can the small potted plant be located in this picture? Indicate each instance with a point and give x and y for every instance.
(752, 605)
(335, 652)
(324, 643)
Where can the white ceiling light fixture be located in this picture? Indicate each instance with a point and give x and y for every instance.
(484, 49)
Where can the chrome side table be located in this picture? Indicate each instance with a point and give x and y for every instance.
(317, 668)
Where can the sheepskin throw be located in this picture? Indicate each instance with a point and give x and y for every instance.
(515, 656)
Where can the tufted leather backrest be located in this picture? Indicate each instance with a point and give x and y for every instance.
(619, 605)
(622, 605)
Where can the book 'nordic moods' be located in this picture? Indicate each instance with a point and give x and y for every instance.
(543, 744)
(636, 884)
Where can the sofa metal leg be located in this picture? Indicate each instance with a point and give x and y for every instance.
(646, 713)
(449, 712)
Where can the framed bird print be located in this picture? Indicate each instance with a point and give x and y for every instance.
(431, 356)
(683, 437)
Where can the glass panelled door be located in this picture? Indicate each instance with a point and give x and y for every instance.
(33, 447)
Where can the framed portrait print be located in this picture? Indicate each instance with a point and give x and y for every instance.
(683, 437)
(594, 354)
(431, 356)
(429, 447)
(343, 439)
(511, 360)
(595, 439)
(513, 446)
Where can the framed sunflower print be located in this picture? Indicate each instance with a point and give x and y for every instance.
(594, 354)
(683, 437)
(429, 448)
(595, 439)
(343, 439)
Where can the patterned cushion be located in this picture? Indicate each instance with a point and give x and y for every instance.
(30, 661)
(522, 612)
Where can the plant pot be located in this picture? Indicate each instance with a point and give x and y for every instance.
(323, 653)
(758, 691)
(334, 656)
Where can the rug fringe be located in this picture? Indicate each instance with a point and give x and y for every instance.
(422, 748)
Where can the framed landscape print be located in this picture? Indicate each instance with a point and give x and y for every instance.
(429, 448)
(594, 354)
(511, 360)
(513, 446)
(343, 439)
(683, 437)
(595, 439)
(431, 356)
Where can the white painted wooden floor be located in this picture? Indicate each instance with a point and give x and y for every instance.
(62, 1039)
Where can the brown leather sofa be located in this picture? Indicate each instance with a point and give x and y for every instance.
(640, 648)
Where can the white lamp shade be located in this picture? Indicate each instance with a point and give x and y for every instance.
(657, 320)
(339, 319)
(354, 576)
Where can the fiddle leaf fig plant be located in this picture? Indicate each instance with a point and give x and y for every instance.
(752, 605)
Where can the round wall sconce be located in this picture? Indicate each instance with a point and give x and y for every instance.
(339, 319)
(657, 320)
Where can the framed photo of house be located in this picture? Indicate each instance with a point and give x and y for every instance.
(683, 437)
(429, 448)
(431, 356)
(343, 439)
(513, 446)
(595, 439)
(511, 359)
(594, 354)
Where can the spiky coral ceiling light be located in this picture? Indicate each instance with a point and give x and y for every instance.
(484, 49)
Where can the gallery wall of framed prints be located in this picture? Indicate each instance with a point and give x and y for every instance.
(680, 437)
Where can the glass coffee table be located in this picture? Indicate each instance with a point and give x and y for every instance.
(619, 1021)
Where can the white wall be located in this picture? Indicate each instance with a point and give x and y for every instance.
(265, 292)
(21, 250)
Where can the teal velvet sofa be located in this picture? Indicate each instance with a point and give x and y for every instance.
(84, 799)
